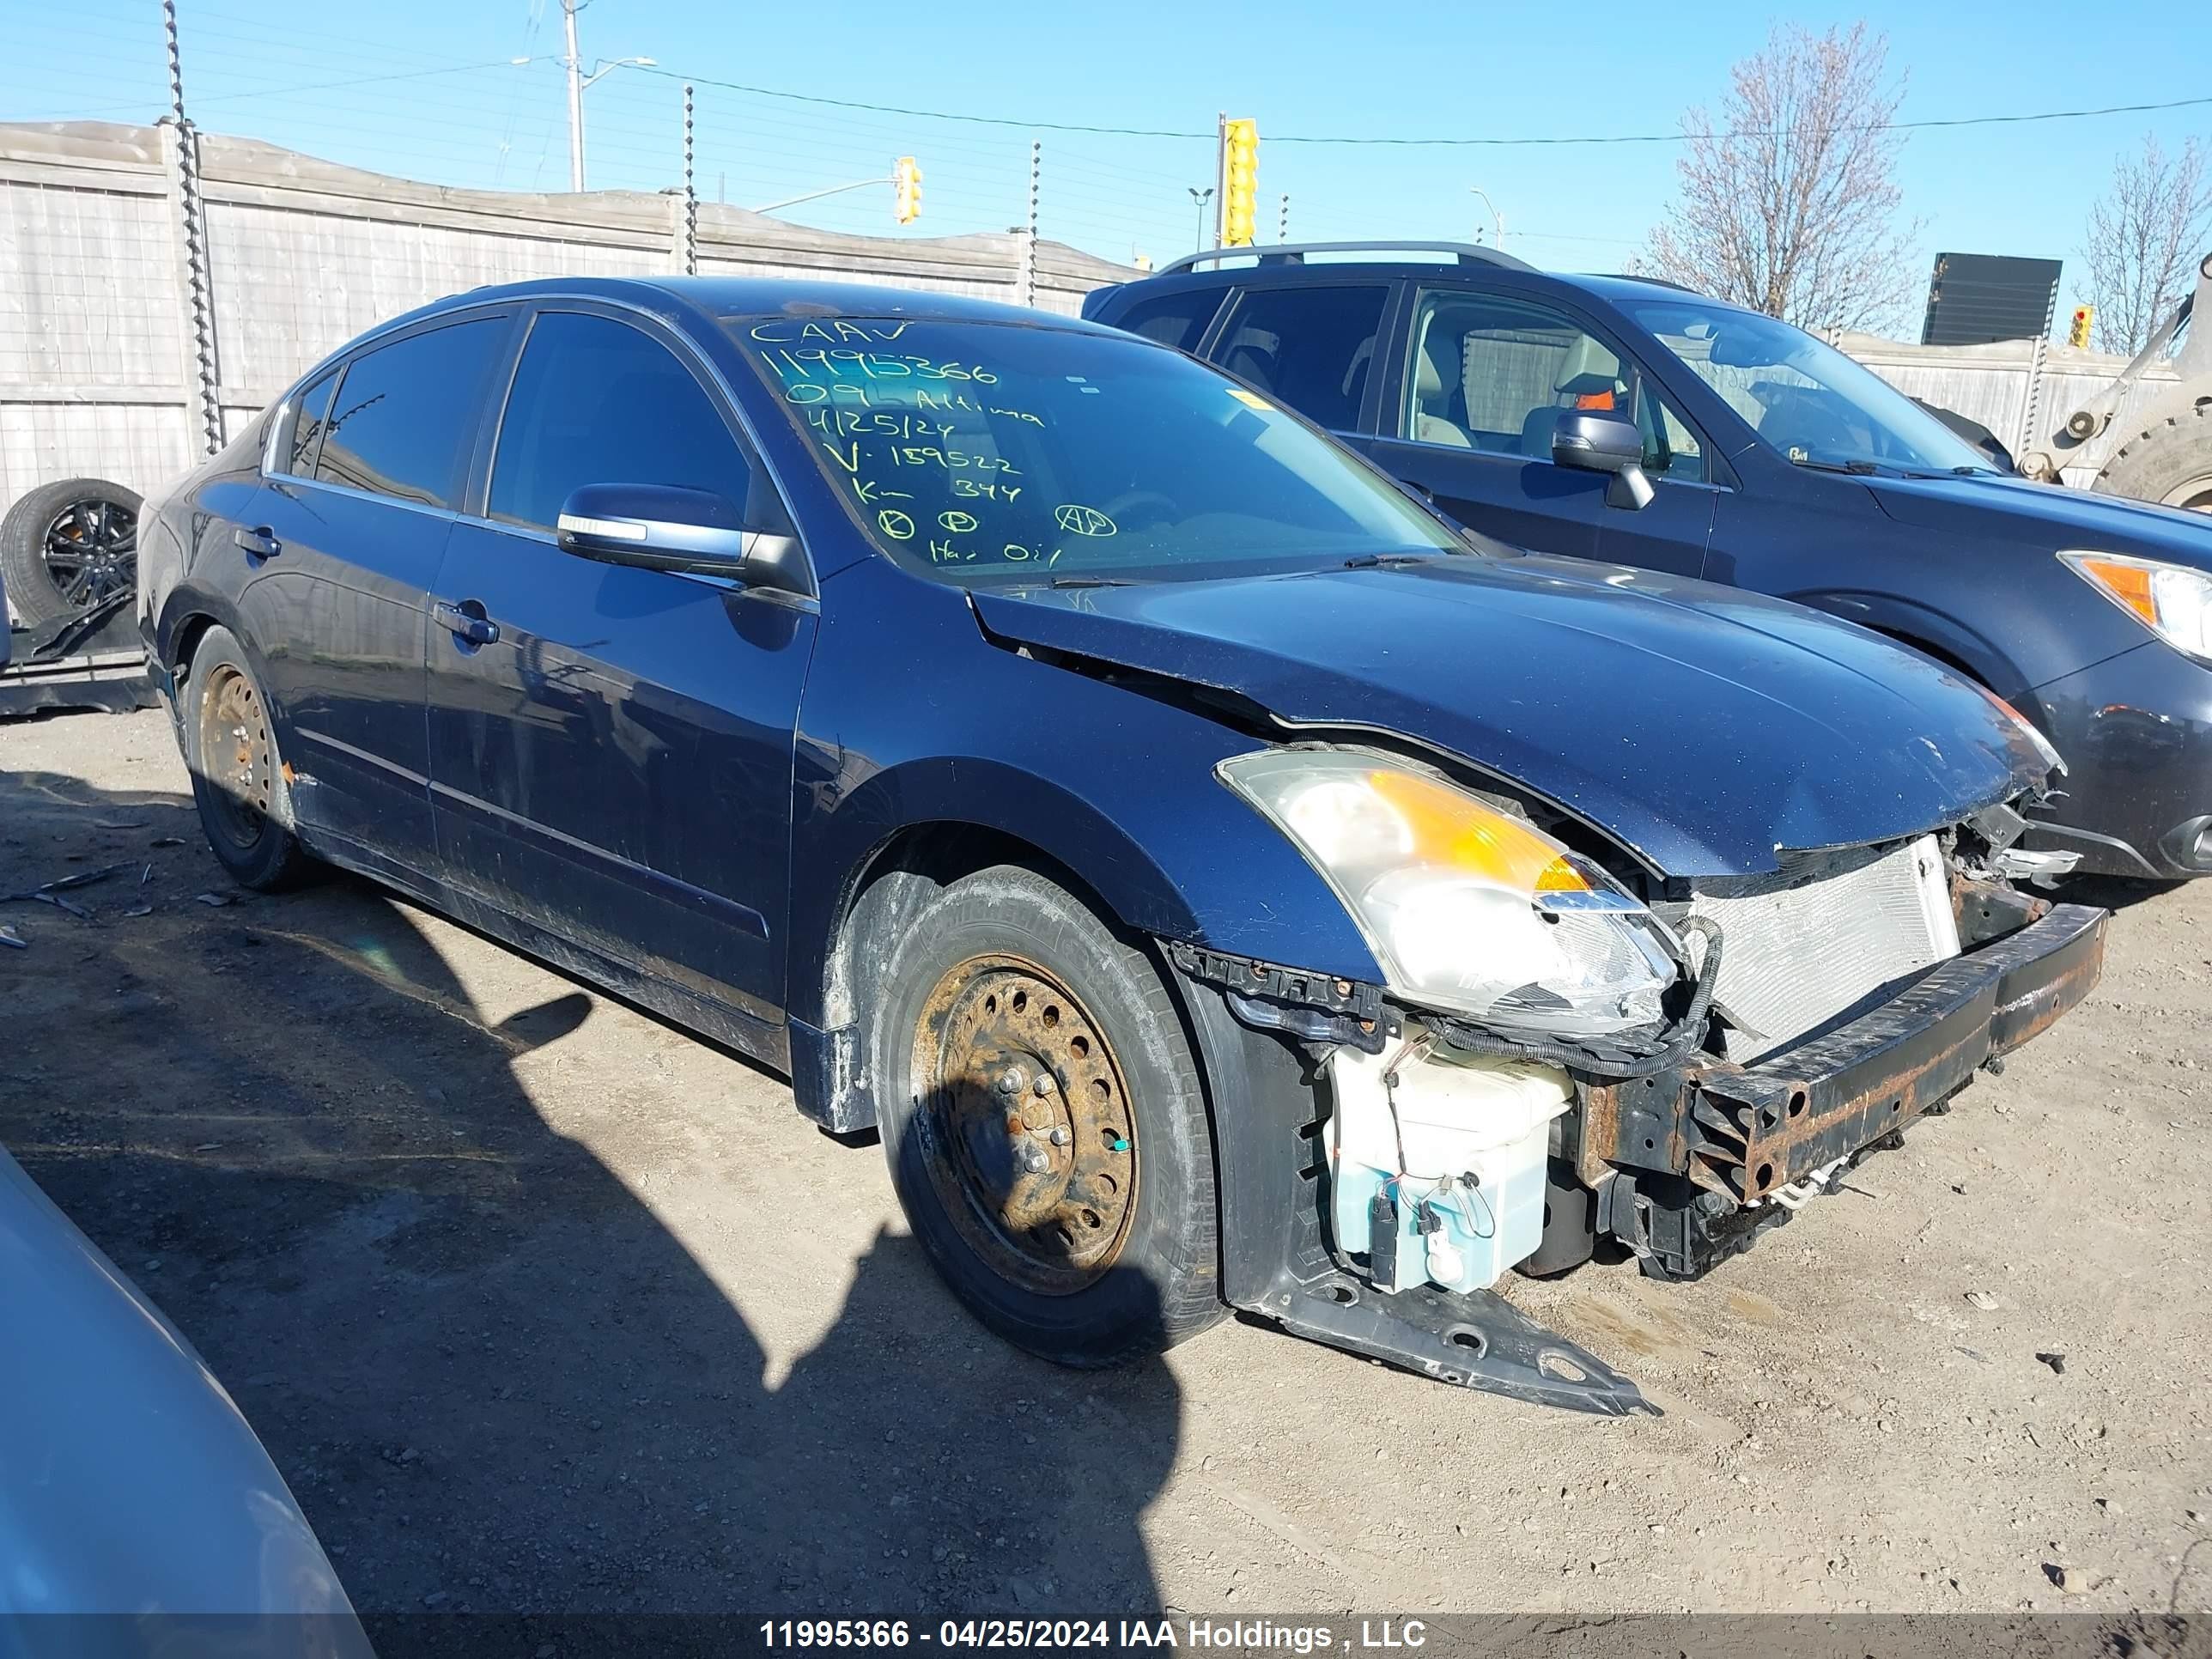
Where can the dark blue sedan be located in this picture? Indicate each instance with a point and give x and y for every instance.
(1765, 458)
(1222, 881)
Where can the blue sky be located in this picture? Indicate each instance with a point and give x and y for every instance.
(463, 114)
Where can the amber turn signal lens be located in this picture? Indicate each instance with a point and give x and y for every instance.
(2127, 583)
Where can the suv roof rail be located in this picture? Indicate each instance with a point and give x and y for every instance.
(1294, 253)
(1656, 281)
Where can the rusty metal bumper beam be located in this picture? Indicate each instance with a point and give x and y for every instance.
(1746, 1131)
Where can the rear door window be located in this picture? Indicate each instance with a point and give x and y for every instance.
(405, 419)
(1176, 319)
(597, 401)
(1312, 347)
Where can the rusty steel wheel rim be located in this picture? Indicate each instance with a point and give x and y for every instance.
(1025, 1124)
(235, 749)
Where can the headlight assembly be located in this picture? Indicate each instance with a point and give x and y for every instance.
(2172, 600)
(1467, 909)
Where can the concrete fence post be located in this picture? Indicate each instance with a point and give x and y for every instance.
(2031, 414)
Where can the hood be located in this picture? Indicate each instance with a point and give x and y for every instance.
(2046, 517)
(134, 1486)
(1703, 727)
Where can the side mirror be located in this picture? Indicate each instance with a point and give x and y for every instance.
(1591, 442)
(669, 527)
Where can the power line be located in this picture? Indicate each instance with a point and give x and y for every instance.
(319, 86)
(1752, 132)
(1320, 138)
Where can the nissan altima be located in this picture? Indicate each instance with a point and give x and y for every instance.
(1221, 881)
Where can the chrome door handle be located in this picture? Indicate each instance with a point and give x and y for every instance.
(464, 623)
(261, 542)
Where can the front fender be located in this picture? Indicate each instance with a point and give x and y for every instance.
(927, 723)
(1941, 636)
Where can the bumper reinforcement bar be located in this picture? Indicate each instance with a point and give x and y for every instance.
(1748, 1131)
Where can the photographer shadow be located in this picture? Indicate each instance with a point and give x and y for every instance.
(494, 1374)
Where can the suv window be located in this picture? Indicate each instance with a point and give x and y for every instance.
(1311, 347)
(598, 401)
(1488, 373)
(1176, 319)
(405, 413)
(308, 415)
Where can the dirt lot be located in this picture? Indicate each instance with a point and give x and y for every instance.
(541, 1305)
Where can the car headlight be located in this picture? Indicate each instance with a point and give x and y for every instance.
(1467, 909)
(2172, 600)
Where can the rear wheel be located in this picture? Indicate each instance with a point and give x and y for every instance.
(238, 780)
(1043, 1123)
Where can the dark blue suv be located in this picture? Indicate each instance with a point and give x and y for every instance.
(1758, 456)
(1221, 881)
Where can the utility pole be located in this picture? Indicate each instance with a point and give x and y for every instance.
(1220, 171)
(576, 68)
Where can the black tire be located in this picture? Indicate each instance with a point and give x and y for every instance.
(238, 777)
(2170, 461)
(88, 519)
(1156, 1282)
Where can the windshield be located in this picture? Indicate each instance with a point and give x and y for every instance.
(1801, 395)
(989, 451)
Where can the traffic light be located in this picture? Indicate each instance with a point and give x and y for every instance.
(2078, 333)
(906, 184)
(1240, 182)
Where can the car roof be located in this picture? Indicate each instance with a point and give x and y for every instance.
(1615, 289)
(755, 297)
(1622, 288)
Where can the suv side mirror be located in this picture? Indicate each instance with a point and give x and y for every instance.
(1592, 442)
(669, 527)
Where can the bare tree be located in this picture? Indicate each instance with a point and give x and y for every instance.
(1788, 202)
(2146, 234)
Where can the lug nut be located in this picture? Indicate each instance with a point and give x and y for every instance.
(1010, 1080)
(1059, 1136)
(1046, 1083)
(1036, 1162)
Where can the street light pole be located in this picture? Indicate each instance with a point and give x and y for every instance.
(1496, 219)
(580, 83)
(576, 68)
(1201, 197)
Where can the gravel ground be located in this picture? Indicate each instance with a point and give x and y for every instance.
(541, 1305)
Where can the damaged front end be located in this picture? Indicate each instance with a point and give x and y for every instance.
(1672, 1065)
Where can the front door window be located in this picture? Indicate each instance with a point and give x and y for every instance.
(1494, 373)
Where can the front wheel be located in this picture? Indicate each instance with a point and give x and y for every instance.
(1043, 1122)
(2169, 462)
